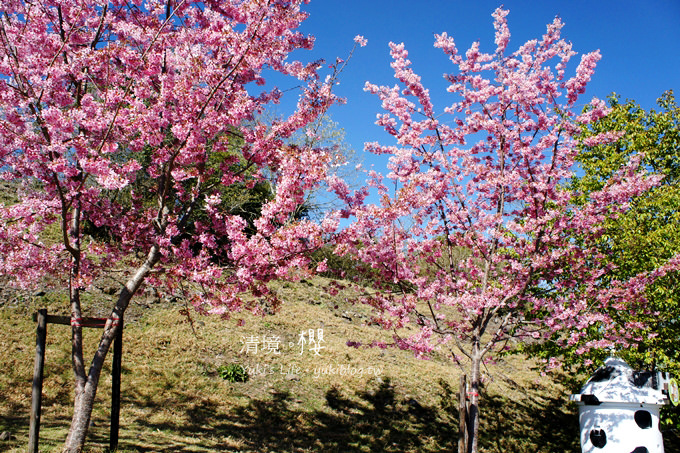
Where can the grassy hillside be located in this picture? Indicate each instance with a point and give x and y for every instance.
(342, 400)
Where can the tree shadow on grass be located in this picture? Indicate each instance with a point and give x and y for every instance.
(372, 420)
(13, 425)
(52, 433)
(533, 424)
(671, 441)
(375, 419)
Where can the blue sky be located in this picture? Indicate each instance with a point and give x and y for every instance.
(639, 41)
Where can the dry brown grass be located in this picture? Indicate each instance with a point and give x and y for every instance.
(174, 401)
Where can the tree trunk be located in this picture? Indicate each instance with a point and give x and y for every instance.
(82, 411)
(86, 389)
(85, 393)
(473, 412)
(463, 415)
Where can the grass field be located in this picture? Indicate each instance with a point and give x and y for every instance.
(335, 399)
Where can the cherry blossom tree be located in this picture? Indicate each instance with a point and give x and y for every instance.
(127, 117)
(475, 235)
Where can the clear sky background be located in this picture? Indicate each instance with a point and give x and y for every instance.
(639, 41)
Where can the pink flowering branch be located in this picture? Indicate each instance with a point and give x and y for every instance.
(480, 239)
(123, 125)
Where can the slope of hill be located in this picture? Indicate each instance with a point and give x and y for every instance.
(302, 394)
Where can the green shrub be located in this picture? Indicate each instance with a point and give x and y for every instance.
(232, 373)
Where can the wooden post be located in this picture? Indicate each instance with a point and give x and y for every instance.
(36, 403)
(115, 387)
(462, 416)
(43, 319)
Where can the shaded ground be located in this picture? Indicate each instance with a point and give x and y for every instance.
(377, 419)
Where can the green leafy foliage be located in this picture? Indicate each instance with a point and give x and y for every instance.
(244, 198)
(233, 373)
(646, 236)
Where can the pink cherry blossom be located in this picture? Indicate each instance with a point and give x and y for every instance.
(360, 40)
(124, 121)
(473, 234)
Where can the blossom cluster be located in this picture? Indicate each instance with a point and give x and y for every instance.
(137, 123)
(474, 235)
